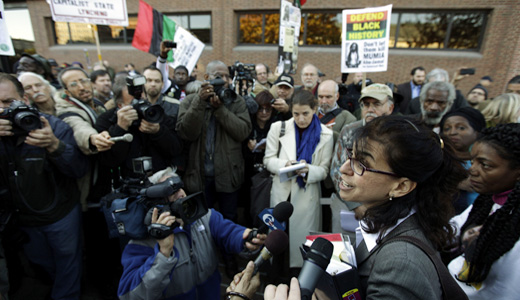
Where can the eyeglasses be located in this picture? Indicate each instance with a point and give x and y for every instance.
(265, 110)
(360, 168)
(83, 81)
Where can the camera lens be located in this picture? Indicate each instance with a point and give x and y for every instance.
(153, 114)
(189, 208)
(27, 120)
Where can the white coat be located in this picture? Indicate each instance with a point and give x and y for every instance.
(306, 202)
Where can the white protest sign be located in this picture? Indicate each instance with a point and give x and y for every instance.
(6, 45)
(188, 50)
(100, 12)
(364, 39)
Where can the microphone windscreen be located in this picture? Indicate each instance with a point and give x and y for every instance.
(321, 252)
(276, 241)
(283, 211)
(128, 137)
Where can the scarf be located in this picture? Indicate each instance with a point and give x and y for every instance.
(306, 145)
(501, 198)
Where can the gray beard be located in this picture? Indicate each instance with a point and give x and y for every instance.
(433, 120)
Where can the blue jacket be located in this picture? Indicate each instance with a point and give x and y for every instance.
(191, 272)
(41, 185)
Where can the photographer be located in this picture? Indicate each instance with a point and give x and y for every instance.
(184, 264)
(150, 138)
(38, 168)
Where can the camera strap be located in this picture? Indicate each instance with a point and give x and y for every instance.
(330, 116)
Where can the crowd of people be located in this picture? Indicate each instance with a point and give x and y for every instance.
(421, 159)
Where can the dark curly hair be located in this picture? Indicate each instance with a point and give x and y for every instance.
(416, 152)
(501, 230)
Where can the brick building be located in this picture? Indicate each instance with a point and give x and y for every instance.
(481, 34)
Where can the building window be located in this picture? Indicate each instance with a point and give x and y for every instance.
(318, 28)
(322, 29)
(198, 24)
(80, 33)
(408, 30)
(259, 28)
(437, 30)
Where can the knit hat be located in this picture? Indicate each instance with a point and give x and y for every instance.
(42, 62)
(474, 116)
(479, 86)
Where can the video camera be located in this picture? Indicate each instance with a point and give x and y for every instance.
(145, 109)
(24, 118)
(243, 74)
(128, 210)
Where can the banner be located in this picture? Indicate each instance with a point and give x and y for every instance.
(6, 45)
(99, 12)
(364, 39)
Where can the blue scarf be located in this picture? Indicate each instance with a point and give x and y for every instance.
(307, 144)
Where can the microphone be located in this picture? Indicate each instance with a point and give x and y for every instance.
(275, 244)
(315, 264)
(281, 213)
(128, 137)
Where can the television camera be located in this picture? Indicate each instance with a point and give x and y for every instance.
(128, 209)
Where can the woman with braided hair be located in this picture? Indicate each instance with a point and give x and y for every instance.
(489, 266)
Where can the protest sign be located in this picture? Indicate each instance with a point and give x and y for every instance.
(188, 50)
(290, 20)
(100, 12)
(6, 45)
(364, 39)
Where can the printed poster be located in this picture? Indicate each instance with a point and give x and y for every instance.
(188, 50)
(6, 45)
(364, 39)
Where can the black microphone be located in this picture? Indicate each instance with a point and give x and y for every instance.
(281, 213)
(275, 244)
(159, 190)
(128, 137)
(315, 264)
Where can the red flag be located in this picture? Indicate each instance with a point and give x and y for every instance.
(152, 27)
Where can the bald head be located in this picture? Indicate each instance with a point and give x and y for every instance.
(328, 94)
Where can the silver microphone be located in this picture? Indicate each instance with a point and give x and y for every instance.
(125, 138)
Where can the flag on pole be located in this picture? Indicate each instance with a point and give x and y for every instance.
(152, 27)
(299, 3)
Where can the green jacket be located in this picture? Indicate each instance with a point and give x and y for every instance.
(233, 126)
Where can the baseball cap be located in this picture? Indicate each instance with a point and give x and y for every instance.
(285, 79)
(377, 91)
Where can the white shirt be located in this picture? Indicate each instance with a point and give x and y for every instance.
(371, 238)
(503, 280)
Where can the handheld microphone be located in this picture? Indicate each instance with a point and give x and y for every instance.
(315, 264)
(281, 213)
(128, 137)
(275, 244)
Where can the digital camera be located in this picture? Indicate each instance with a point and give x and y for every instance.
(226, 95)
(23, 117)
